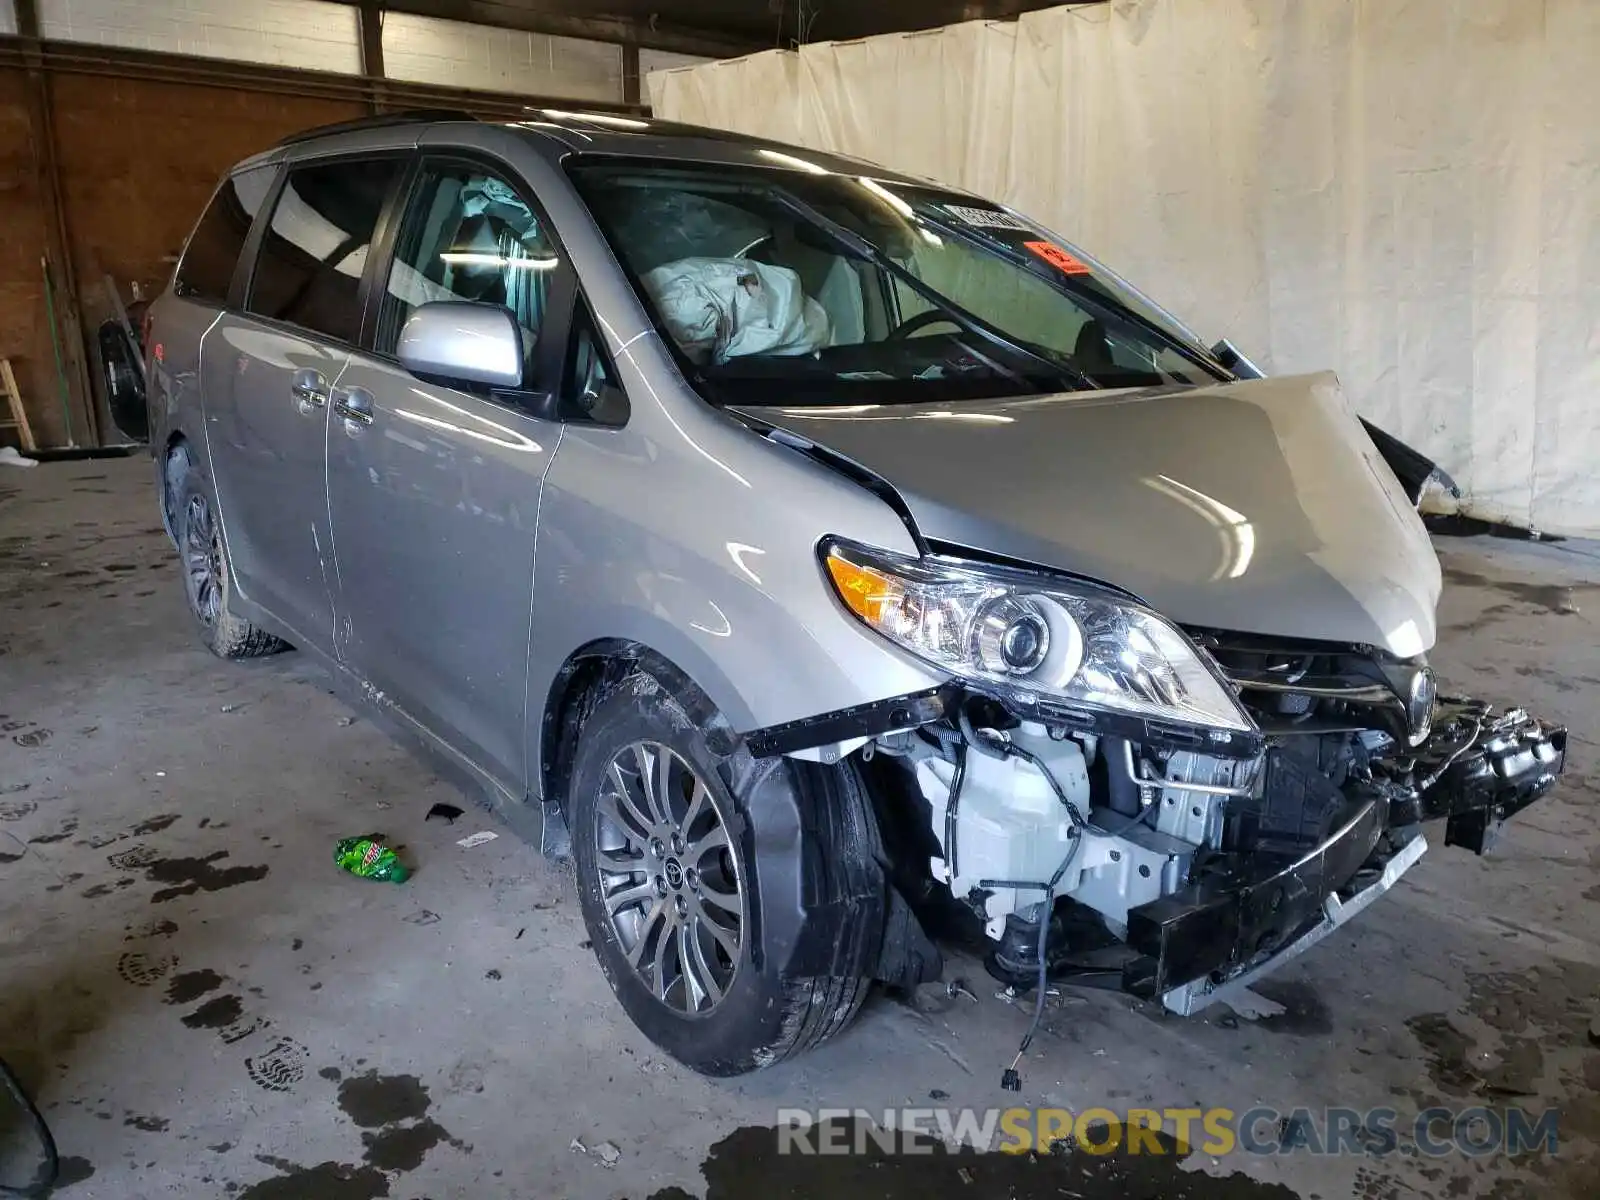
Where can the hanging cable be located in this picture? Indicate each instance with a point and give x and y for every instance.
(1010, 1079)
(997, 745)
(952, 811)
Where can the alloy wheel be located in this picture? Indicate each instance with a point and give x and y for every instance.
(670, 881)
(202, 560)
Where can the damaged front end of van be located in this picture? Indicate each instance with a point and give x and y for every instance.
(1190, 727)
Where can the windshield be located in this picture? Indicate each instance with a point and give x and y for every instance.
(847, 290)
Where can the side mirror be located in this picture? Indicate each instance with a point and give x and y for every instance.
(1228, 355)
(596, 396)
(461, 342)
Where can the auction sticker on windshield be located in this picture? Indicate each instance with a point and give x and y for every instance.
(1058, 258)
(985, 218)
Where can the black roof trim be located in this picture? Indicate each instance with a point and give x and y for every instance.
(418, 116)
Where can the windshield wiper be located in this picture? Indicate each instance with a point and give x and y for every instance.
(858, 246)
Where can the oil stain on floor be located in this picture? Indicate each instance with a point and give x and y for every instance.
(380, 1104)
(396, 1134)
(191, 985)
(74, 1170)
(325, 1181)
(372, 1099)
(186, 876)
(748, 1163)
(1541, 597)
(217, 1013)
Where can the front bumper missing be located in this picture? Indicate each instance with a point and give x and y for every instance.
(1211, 928)
(1215, 936)
(1191, 997)
(1218, 935)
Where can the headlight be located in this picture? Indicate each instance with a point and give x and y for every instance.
(1036, 641)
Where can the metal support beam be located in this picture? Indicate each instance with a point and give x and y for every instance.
(86, 422)
(630, 74)
(371, 17)
(27, 18)
(653, 34)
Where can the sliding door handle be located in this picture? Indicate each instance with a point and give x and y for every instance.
(310, 390)
(354, 405)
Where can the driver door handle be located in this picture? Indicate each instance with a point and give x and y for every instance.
(353, 404)
(310, 390)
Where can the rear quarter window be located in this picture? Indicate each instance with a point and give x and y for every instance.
(206, 269)
(314, 251)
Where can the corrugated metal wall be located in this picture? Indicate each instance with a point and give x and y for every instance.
(501, 60)
(313, 35)
(306, 34)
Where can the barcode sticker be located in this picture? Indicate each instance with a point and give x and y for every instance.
(985, 218)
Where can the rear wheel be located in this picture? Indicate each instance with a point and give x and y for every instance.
(206, 584)
(727, 956)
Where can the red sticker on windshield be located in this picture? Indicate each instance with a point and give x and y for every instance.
(1058, 258)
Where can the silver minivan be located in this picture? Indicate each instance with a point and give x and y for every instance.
(829, 563)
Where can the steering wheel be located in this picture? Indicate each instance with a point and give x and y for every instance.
(911, 324)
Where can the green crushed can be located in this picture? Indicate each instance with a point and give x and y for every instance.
(369, 858)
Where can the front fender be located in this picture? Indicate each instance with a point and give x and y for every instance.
(715, 570)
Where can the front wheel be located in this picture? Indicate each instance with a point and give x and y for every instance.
(737, 907)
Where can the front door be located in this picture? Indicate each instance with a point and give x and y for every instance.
(269, 372)
(434, 490)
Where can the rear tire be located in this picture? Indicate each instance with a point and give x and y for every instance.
(761, 875)
(203, 558)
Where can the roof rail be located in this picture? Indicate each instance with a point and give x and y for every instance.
(382, 121)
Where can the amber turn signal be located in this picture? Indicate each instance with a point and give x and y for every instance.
(865, 592)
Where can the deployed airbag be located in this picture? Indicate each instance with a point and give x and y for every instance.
(722, 308)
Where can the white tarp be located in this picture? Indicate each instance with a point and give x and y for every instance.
(1407, 191)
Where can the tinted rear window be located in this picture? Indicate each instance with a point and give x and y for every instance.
(309, 270)
(214, 247)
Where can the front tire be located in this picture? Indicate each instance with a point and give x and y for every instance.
(736, 906)
(207, 587)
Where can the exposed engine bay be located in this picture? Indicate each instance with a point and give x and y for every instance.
(1119, 783)
(1176, 870)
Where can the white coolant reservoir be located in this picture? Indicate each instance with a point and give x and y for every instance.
(1009, 823)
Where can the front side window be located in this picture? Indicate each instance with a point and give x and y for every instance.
(309, 269)
(467, 235)
(846, 289)
(206, 272)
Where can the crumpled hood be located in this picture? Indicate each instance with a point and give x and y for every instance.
(1260, 506)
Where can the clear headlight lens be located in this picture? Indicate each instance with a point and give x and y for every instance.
(1034, 640)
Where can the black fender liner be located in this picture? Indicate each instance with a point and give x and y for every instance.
(863, 720)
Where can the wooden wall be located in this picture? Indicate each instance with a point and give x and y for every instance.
(24, 335)
(137, 160)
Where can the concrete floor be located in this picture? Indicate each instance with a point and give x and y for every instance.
(207, 1007)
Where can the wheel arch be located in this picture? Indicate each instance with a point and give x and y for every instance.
(587, 673)
(900, 950)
